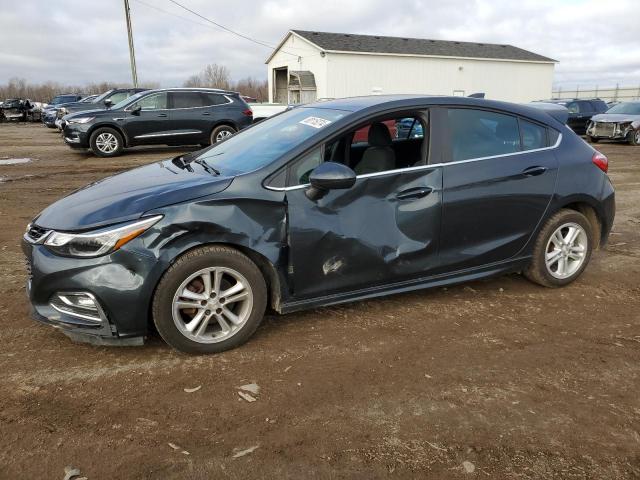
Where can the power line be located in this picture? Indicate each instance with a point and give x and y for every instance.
(241, 35)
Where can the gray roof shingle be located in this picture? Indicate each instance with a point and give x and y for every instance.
(347, 42)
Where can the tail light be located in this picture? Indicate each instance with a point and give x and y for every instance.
(600, 161)
(248, 112)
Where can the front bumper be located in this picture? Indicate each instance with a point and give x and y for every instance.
(609, 131)
(121, 283)
(75, 135)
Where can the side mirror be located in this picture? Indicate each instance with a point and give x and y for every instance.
(108, 103)
(136, 110)
(329, 176)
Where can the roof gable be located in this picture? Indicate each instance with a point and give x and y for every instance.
(346, 42)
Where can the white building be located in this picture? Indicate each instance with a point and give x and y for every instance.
(311, 65)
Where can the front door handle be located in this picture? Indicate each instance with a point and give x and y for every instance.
(162, 114)
(206, 113)
(413, 193)
(534, 171)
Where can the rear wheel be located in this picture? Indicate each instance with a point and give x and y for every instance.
(106, 142)
(212, 299)
(221, 132)
(592, 139)
(562, 250)
(634, 137)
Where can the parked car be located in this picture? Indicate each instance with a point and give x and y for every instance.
(290, 214)
(410, 128)
(620, 123)
(50, 113)
(175, 116)
(580, 111)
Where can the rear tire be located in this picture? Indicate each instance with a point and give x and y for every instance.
(557, 258)
(187, 296)
(220, 133)
(593, 139)
(106, 142)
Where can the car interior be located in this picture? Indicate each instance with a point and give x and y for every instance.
(383, 145)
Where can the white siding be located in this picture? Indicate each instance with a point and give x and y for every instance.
(353, 74)
(307, 57)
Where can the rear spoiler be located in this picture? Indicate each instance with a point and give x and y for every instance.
(559, 112)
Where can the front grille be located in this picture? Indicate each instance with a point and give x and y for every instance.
(604, 129)
(36, 233)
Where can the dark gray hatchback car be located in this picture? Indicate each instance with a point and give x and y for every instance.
(300, 211)
(176, 116)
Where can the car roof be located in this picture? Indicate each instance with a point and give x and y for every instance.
(373, 103)
(192, 89)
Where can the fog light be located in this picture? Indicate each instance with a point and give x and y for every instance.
(78, 304)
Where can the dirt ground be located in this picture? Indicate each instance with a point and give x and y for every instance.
(501, 376)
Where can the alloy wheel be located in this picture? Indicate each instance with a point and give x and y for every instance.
(107, 142)
(566, 250)
(212, 304)
(223, 135)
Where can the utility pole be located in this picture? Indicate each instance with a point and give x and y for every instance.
(132, 53)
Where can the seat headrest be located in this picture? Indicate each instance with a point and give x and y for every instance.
(379, 135)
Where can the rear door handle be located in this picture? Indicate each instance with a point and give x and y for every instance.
(417, 192)
(162, 114)
(534, 171)
(206, 113)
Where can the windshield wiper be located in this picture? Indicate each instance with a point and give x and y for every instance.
(208, 167)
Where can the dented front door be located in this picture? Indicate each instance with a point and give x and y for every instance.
(384, 229)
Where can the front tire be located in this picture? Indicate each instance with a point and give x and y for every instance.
(634, 137)
(220, 133)
(210, 300)
(562, 250)
(593, 139)
(106, 142)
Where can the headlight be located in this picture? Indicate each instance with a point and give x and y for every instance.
(100, 242)
(63, 111)
(80, 120)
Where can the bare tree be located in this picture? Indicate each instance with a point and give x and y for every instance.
(213, 76)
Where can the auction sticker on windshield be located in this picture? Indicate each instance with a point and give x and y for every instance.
(315, 122)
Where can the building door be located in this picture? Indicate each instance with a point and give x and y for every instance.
(280, 85)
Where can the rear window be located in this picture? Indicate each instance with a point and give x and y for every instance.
(480, 133)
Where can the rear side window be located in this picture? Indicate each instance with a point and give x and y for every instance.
(533, 135)
(585, 107)
(480, 133)
(214, 99)
(187, 100)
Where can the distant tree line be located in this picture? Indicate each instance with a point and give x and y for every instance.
(212, 76)
(44, 92)
(219, 76)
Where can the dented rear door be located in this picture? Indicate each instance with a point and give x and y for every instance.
(384, 229)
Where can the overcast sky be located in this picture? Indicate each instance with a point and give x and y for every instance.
(79, 41)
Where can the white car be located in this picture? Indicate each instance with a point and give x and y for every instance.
(266, 110)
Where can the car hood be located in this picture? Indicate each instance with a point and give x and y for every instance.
(615, 117)
(84, 113)
(128, 195)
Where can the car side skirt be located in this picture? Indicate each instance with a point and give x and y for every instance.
(461, 276)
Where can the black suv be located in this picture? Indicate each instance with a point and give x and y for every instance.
(580, 111)
(177, 116)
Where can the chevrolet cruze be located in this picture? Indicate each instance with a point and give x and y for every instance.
(292, 213)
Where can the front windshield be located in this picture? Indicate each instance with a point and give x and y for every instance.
(127, 101)
(265, 142)
(62, 99)
(626, 108)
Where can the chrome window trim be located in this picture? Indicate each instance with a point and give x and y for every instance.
(426, 167)
(151, 135)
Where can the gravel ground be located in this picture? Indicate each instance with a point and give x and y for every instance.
(498, 378)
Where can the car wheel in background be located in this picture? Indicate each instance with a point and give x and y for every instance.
(634, 137)
(106, 142)
(221, 133)
(210, 300)
(592, 139)
(562, 250)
